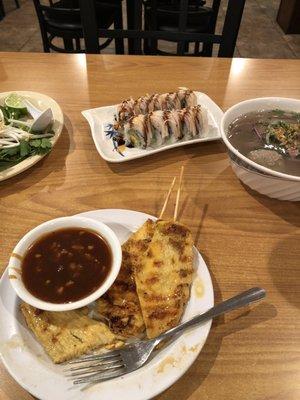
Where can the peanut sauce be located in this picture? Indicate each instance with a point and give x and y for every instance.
(66, 265)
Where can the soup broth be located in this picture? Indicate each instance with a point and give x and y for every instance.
(270, 138)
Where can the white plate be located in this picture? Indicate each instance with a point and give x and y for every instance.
(98, 118)
(42, 102)
(26, 361)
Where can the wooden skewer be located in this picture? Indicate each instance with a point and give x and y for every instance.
(178, 194)
(167, 199)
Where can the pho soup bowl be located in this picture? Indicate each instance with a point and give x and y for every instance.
(265, 180)
(17, 263)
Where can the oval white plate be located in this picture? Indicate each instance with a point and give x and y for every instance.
(42, 102)
(98, 118)
(26, 361)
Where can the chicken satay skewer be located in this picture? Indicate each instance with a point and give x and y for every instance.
(178, 195)
(167, 199)
(164, 278)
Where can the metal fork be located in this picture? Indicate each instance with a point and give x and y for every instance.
(92, 369)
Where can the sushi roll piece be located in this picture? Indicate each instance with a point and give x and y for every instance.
(186, 97)
(174, 123)
(194, 122)
(137, 132)
(160, 130)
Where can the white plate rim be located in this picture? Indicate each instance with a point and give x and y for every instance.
(57, 128)
(214, 110)
(133, 396)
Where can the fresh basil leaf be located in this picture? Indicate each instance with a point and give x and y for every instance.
(35, 143)
(41, 150)
(24, 148)
(11, 151)
(46, 144)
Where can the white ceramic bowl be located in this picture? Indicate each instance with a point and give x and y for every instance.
(262, 179)
(14, 266)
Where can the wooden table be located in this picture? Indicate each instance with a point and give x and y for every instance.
(246, 239)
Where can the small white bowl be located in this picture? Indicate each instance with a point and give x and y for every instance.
(262, 179)
(15, 262)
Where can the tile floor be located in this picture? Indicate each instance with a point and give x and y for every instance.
(259, 36)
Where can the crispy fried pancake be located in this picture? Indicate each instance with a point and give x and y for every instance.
(120, 304)
(163, 280)
(67, 335)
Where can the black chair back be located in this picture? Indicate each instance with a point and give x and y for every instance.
(226, 40)
(182, 16)
(62, 18)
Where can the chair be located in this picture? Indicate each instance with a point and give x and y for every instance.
(226, 40)
(163, 15)
(62, 19)
(2, 11)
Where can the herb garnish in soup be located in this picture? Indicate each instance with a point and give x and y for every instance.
(66, 265)
(270, 138)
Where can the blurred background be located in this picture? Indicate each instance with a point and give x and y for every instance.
(267, 28)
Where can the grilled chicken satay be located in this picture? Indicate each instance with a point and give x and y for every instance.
(164, 277)
(120, 304)
(69, 334)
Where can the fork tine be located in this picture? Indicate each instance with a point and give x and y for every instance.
(91, 370)
(109, 354)
(95, 381)
(98, 376)
(94, 363)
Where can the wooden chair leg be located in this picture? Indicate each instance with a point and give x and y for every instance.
(77, 42)
(197, 48)
(118, 24)
(153, 46)
(130, 24)
(46, 47)
(2, 11)
(68, 44)
(46, 41)
(180, 48)
(207, 49)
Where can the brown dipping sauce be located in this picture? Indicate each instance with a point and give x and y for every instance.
(66, 265)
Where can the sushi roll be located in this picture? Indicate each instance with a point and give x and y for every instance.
(159, 127)
(146, 104)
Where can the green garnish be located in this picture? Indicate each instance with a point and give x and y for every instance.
(17, 142)
(13, 155)
(278, 111)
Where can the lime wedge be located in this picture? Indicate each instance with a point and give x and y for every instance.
(16, 103)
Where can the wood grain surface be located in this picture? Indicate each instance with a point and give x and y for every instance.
(246, 239)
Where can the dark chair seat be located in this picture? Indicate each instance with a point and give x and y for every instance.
(63, 20)
(196, 23)
(62, 25)
(168, 19)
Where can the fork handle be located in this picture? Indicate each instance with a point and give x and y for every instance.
(241, 300)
